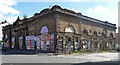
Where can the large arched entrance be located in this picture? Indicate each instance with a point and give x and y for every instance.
(103, 43)
(67, 41)
(111, 43)
(45, 41)
(95, 44)
(85, 40)
(44, 38)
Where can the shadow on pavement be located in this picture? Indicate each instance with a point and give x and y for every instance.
(99, 63)
(26, 52)
(17, 52)
(86, 63)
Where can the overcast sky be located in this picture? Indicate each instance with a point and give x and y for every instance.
(105, 10)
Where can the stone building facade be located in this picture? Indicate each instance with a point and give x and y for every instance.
(118, 37)
(59, 29)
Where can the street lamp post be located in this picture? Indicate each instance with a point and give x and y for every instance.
(25, 33)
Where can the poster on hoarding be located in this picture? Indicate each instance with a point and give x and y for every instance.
(43, 42)
(30, 42)
(27, 45)
(6, 36)
(52, 42)
(47, 41)
(20, 42)
(13, 42)
(6, 41)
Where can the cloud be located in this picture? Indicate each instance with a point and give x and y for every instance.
(98, 10)
(4, 9)
(113, 18)
(103, 13)
(7, 12)
(8, 2)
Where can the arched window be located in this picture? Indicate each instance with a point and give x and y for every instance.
(44, 29)
(103, 35)
(85, 32)
(69, 29)
(111, 35)
(95, 33)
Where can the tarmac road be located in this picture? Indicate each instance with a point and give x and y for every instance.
(106, 57)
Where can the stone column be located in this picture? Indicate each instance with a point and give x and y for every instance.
(55, 42)
(79, 42)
